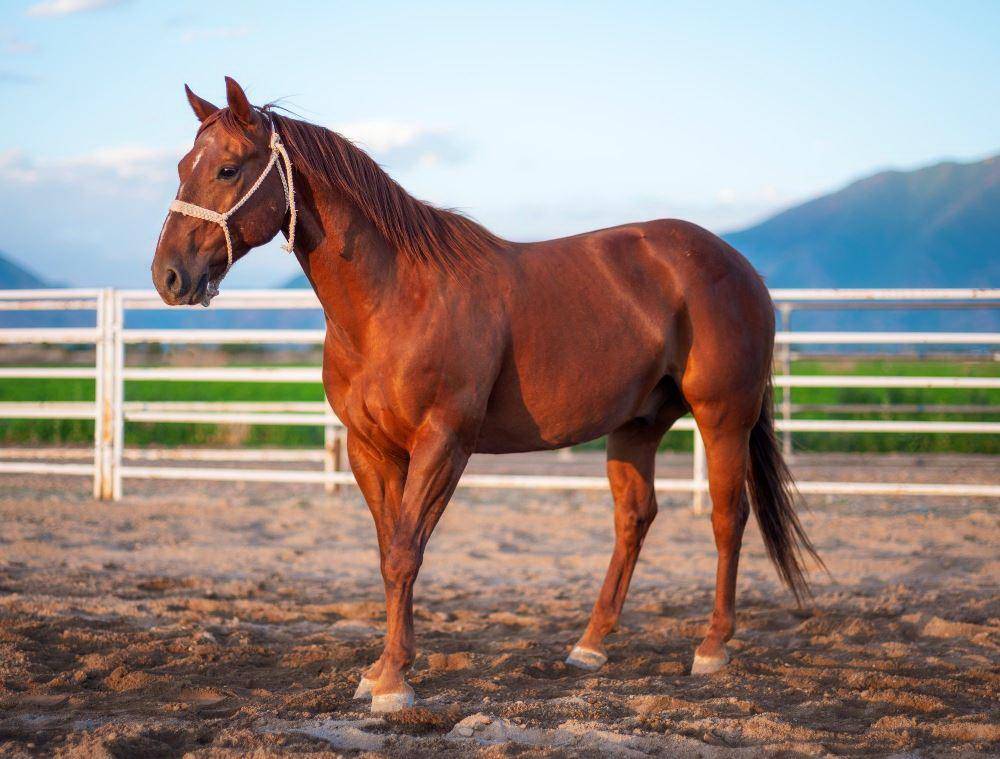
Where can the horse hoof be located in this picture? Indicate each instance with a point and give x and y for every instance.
(586, 658)
(706, 665)
(392, 702)
(364, 690)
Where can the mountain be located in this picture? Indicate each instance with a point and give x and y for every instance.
(298, 282)
(16, 277)
(13, 276)
(937, 226)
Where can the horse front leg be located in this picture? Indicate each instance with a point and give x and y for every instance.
(437, 461)
(381, 479)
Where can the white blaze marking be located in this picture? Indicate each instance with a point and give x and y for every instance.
(193, 167)
(163, 229)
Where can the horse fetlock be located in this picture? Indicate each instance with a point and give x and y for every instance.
(374, 671)
(721, 628)
(365, 688)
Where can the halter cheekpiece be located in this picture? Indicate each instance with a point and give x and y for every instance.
(222, 219)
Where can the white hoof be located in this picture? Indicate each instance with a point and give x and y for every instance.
(706, 665)
(392, 702)
(364, 690)
(586, 658)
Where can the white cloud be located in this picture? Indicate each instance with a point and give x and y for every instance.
(381, 135)
(67, 7)
(101, 168)
(403, 145)
(129, 162)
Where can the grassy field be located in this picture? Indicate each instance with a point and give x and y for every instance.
(889, 397)
(879, 402)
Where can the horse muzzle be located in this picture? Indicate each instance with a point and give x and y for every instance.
(177, 286)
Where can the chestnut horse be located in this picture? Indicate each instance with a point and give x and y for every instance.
(443, 340)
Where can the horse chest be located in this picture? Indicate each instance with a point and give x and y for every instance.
(370, 406)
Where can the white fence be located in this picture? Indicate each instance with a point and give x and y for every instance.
(110, 411)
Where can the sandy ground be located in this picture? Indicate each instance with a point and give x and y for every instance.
(234, 620)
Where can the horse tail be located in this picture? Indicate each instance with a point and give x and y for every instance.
(772, 493)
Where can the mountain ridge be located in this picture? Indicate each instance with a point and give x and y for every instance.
(14, 276)
(937, 225)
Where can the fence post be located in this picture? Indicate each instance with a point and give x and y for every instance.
(118, 395)
(103, 402)
(330, 445)
(786, 392)
(698, 474)
(335, 453)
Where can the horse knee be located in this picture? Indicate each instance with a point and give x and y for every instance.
(400, 566)
(644, 515)
(635, 522)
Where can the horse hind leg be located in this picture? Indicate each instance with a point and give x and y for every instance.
(727, 454)
(631, 457)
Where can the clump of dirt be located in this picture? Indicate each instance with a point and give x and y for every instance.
(449, 662)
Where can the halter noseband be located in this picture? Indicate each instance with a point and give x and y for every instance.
(222, 219)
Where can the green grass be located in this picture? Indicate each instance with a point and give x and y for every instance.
(81, 431)
(886, 442)
(77, 431)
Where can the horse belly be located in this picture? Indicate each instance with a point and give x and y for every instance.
(567, 396)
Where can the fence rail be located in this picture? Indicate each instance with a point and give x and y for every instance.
(111, 412)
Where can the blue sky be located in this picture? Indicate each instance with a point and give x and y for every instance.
(538, 119)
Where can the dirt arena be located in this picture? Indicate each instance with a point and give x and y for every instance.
(219, 619)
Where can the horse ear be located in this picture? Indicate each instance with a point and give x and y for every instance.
(238, 102)
(201, 107)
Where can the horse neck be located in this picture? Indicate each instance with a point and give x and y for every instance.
(353, 270)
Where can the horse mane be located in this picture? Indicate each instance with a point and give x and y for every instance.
(422, 232)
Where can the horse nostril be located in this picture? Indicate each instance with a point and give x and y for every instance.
(173, 282)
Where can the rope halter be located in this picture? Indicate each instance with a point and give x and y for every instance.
(222, 219)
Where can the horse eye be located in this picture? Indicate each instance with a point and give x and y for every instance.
(228, 172)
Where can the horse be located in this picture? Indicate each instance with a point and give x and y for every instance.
(444, 339)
